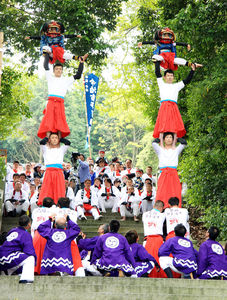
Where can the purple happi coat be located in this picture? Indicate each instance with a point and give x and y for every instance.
(57, 254)
(113, 252)
(211, 261)
(184, 255)
(144, 261)
(86, 245)
(17, 247)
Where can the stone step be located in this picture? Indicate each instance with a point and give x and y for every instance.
(54, 287)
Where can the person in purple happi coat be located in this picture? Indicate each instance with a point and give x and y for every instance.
(144, 261)
(112, 253)
(212, 262)
(184, 255)
(17, 251)
(57, 255)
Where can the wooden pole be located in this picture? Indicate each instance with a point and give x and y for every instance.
(1, 55)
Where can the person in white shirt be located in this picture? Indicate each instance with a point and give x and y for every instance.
(174, 216)
(69, 193)
(169, 118)
(54, 119)
(168, 183)
(102, 168)
(129, 206)
(129, 171)
(28, 172)
(148, 198)
(153, 221)
(53, 153)
(17, 201)
(10, 171)
(86, 201)
(35, 198)
(148, 174)
(108, 196)
(25, 185)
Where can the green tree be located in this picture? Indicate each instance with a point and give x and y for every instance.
(88, 18)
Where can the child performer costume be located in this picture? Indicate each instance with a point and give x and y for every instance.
(169, 118)
(52, 42)
(54, 119)
(168, 183)
(166, 51)
(53, 183)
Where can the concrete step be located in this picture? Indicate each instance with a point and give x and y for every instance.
(54, 287)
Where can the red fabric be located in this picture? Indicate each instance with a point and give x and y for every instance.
(118, 173)
(75, 256)
(153, 244)
(39, 244)
(170, 235)
(169, 120)
(87, 206)
(58, 53)
(168, 186)
(54, 119)
(168, 62)
(129, 171)
(107, 191)
(53, 185)
(88, 193)
(14, 170)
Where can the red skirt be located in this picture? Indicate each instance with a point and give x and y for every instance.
(168, 186)
(75, 256)
(153, 244)
(39, 244)
(169, 120)
(54, 119)
(58, 53)
(53, 185)
(168, 62)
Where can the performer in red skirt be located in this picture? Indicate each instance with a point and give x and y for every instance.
(168, 183)
(53, 183)
(169, 118)
(153, 231)
(54, 119)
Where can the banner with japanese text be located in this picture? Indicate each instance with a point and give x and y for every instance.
(91, 87)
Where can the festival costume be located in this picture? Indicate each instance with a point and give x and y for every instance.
(57, 255)
(168, 183)
(184, 255)
(169, 118)
(175, 216)
(144, 261)
(153, 230)
(18, 251)
(40, 215)
(11, 202)
(166, 49)
(86, 202)
(54, 118)
(148, 200)
(112, 252)
(53, 183)
(54, 42)
(86, 247)
(108, 201)
(129, 205)
(212, 262)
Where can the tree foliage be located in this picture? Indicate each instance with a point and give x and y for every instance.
(203, 103)
(88, 18)
(15, 94)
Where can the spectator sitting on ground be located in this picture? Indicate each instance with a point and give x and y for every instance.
(129, 205)
(17, 202)
(112, 253)
(212, 262)
(18, 251)
(108, 196)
